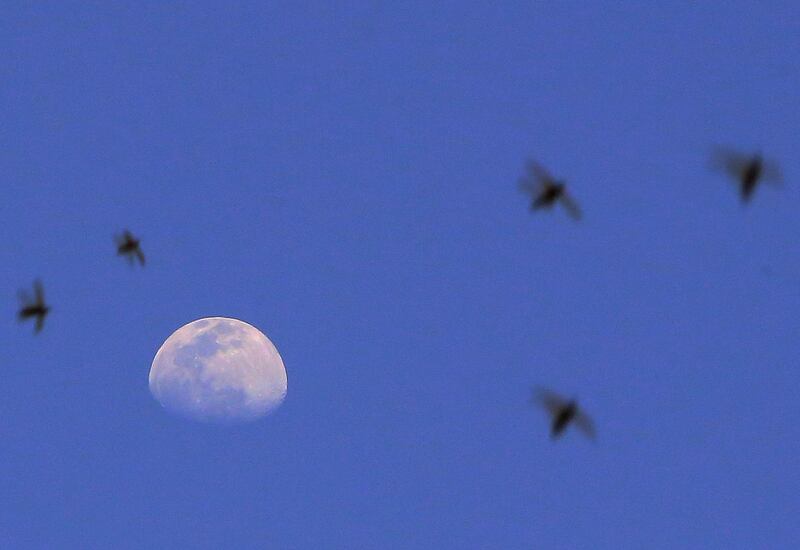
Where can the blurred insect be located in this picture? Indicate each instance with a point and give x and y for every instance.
(128, 245)
(34, 307)
(545, 190)
(747, 170)
(563, 412)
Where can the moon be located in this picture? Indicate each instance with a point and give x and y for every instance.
(218, 370)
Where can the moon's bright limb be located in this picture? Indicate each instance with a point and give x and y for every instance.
(220, 370)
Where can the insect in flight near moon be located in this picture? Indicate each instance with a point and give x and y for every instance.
(218, 370)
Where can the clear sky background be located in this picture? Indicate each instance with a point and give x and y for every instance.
(345, 180)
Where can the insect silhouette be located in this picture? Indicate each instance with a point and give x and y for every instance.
(128, 245)
(563, 412)
(34, 307)
(747, 171)
(545, 190)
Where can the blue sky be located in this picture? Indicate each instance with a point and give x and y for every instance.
(344, 178)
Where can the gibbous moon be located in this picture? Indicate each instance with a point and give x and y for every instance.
(218, 370)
